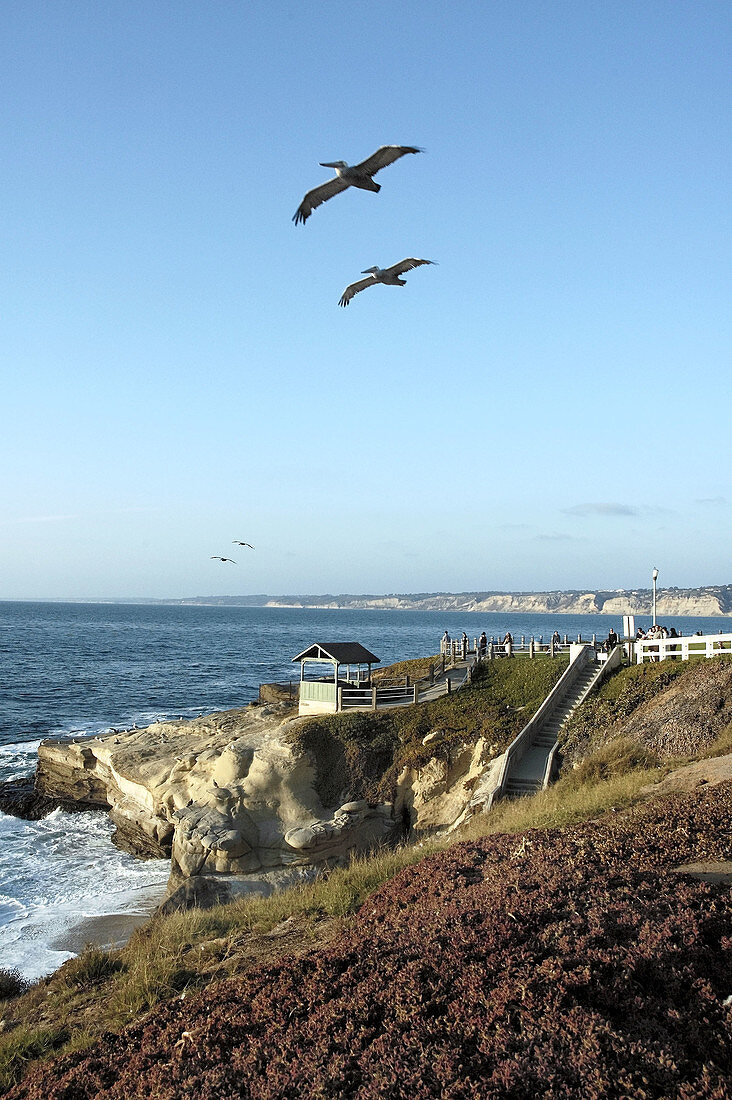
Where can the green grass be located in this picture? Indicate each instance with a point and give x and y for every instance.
(92, 965)
(616, 758)
(25, 1045)
(360, 754)
(418, 669)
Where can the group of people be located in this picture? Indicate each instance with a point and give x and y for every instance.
(482, 642)
(657, 631)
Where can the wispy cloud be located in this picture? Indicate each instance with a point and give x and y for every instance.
(558, 538)
(601, 508)
(616, 510)
(712, 502)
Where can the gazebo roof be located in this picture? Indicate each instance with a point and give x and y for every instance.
(345, 653)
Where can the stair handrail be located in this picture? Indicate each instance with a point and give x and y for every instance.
(614, 660)
(518, 746)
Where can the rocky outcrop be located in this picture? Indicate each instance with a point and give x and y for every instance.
(455, 783)
(229, 797)
(19, 798)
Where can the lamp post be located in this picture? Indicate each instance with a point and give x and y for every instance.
(654, 575)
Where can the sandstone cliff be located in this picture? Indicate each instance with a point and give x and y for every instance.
(233, 799)
(226, 795)
(238, 804)
(711, 601)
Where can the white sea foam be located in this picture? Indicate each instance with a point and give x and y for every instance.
(58, 872)
(19, 747)
(18, 760)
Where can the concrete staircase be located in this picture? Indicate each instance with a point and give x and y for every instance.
(528, 774)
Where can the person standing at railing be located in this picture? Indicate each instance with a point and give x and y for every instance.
(482, 644)
(464, 645)
(508, 644)
(445, 643)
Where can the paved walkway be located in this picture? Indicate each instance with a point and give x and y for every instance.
(456, 675)
(404, 696)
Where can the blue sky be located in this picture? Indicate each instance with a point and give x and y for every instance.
(546, 408)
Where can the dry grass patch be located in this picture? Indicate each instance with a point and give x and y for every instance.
(721, 746)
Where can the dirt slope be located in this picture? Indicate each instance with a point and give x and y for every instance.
(673, 709)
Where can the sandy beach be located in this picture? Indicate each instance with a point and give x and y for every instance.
(108, 930)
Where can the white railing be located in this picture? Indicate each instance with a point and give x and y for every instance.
(400, 694)
(372, 698)
(613, 660)
(695, 645)
(522, 743)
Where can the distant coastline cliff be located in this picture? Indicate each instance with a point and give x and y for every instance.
(712, 601)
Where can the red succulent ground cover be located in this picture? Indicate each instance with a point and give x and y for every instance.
(564, 963)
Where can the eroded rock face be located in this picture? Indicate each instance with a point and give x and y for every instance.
(227, 796)
(454, 784)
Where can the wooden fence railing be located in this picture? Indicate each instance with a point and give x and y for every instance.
(522, 646)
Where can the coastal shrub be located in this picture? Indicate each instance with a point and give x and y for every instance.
(569, 962)
(92, 965)
(12, 983)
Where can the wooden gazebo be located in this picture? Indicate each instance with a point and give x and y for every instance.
(320, 695)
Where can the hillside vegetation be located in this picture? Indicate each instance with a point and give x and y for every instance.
(363, 752)
(558, 953)
(672, 708)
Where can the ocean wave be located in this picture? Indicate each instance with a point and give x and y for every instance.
(59, 872)
(19, 747)
(11, 910)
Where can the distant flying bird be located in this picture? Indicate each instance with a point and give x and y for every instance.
(237, 543)
(388, 275)
(215, 557)
(351, 175)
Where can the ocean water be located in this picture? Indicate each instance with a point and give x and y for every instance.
(87, 668)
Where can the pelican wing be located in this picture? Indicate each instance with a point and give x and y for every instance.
(355, 288)
(406, 265)
(316, 197)
(387, 154)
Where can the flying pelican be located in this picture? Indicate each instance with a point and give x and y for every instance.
(387, 275)
(237, 543)
(351, 175)
(215, 557)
